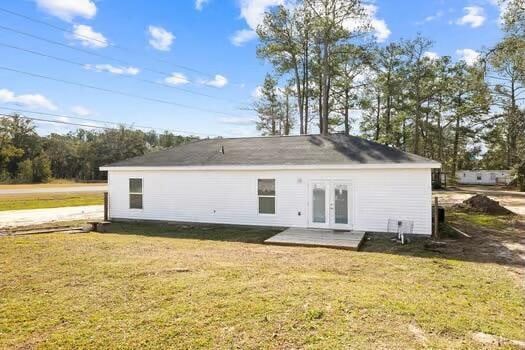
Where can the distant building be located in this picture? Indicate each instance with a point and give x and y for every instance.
(483, 177)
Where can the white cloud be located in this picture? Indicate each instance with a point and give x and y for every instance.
(63, 119)
(470, 56)
(160, 38)
(381, 31)
(378, 26)
(68, 9)
(237, 121)
(88, 37)
(474, 16)
(29, 100)
(431, 18)
(80, 111)
(242, 36)
(434, 16)
(122, 70)
(431, 55)
(199, 4)
(252, 11)
(218, 81)
(176, 79)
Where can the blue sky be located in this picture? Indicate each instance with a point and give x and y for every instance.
(207, 47)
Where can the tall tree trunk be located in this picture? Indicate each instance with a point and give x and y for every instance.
(388, 114)
(378, 116)
(274, 129)
(440, 131)
(456, 147)
(320, 104)
(512, 126)
(306, 87)
(300, 93)
(325, 97)
(404, 134)
(287, 116)
(347, 110)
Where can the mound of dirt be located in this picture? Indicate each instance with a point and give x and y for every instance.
(483, 204)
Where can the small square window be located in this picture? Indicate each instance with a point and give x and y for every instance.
(135, 185)
(266, 187)
(135, 201)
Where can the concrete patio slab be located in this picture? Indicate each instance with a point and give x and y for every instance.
(318, 238)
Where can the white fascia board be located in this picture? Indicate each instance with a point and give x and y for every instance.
(433, 165)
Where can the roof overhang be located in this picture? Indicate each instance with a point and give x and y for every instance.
(430, 165)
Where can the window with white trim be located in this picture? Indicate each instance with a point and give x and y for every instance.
(266, 194)
(135, 193)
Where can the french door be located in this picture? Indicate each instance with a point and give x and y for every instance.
(330, 204)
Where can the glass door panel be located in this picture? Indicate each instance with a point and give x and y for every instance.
(340, 204)
(319, 203)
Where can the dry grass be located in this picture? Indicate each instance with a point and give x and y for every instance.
(217, 287)
(49, 200)
(54, 183)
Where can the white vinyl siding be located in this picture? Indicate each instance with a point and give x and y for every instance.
(231, 197)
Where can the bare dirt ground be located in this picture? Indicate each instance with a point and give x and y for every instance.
(31, 217)
(501, 239)
(512, 200)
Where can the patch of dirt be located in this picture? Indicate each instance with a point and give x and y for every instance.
(418, 333)
(489, 339)
(482, 204)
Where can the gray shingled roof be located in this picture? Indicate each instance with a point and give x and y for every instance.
(286, 150)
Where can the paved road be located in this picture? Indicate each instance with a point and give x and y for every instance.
(16, 218)
(96, 188)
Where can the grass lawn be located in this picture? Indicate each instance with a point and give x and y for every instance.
(190, 287)
(57, 183)
(497, 222)
(49, 200)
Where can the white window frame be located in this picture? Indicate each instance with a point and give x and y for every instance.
(266, 196)
(130, 193)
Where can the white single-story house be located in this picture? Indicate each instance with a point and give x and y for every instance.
(483, 177)
(309, 181)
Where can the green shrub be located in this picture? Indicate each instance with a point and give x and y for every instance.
(41, 168)
(25, 171)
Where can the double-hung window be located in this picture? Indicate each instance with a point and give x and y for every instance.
(266, 194)
(135, 193)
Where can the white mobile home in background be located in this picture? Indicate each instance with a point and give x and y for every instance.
(332, 182)
(483, 177)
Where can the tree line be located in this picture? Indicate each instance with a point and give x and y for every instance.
(326, 67)
(27, 157)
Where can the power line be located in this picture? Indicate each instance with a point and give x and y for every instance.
(96, 54)
(87, 52)
(130, 125)
(84, 65)
(117, 92)
(129, 50)
(56, 121)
